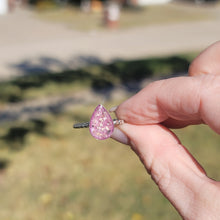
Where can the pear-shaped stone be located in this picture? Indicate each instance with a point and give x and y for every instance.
(101, 125)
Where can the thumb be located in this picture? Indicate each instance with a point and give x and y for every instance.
(178, 175)
(207, 62)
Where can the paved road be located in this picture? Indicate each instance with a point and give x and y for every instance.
(30, 45)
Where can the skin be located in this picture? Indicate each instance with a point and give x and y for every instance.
(176, 103)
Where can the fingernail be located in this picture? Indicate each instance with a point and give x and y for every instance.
(113, 109)
(119, 136)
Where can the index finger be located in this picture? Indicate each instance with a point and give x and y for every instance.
(185, 100)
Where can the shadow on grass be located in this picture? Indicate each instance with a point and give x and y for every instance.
(16, 135)
(4, 163)
(102, 78)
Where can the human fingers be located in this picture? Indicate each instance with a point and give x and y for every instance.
(208, 62)
(176, 101)
(178, 175)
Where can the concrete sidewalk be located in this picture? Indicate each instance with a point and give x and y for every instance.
(29, 45)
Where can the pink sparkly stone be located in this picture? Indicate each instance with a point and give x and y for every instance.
(101, 125)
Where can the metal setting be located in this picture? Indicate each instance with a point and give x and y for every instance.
(86, 124)
(81, 125)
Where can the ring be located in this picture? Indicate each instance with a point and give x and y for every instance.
(86, 124)
(101, 125)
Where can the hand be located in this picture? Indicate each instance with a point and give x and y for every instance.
(175, 103)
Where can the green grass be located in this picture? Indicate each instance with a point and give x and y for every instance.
(163, 14)
(61, 173)
(97, 77)
(204, 145)
(66, 174)
(130, 17)
(49, 171)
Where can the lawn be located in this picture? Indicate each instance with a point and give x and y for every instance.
(56, 172)
(102, 78)
(130, 17)
(49, 171)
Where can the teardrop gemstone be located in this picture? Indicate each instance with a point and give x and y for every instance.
(101, 125)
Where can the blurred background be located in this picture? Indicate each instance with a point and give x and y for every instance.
(59, 59)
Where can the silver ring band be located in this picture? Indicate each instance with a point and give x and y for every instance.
(86, 124)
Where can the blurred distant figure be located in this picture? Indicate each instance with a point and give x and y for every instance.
(112, 14)
(13, 3)
(85, 5)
